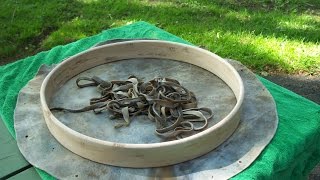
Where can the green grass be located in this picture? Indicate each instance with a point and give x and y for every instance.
(265, 35)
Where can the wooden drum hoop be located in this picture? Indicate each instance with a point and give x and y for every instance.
(142, 155)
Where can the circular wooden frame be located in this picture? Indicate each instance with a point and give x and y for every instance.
(142, 155)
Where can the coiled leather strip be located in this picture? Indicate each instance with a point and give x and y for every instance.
(164, 100)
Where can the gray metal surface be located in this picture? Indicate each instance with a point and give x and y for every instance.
(257, 127)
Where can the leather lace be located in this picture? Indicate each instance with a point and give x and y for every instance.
(165, 101)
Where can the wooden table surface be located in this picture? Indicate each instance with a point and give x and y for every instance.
(13, 165)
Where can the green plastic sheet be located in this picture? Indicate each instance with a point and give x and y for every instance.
(292, 153)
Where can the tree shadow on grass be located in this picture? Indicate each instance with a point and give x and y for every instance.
(226, 19)
(26, 24)
(187, 20)
(300, 6)
(198, 20)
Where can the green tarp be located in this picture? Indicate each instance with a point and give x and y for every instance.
(292, 153)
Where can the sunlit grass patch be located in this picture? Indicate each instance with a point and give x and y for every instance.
(264, 35)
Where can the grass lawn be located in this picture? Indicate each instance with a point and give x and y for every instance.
(265, 35)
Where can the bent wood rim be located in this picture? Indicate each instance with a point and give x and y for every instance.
(142, 155)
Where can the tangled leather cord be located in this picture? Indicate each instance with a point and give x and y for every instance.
(163, 100)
